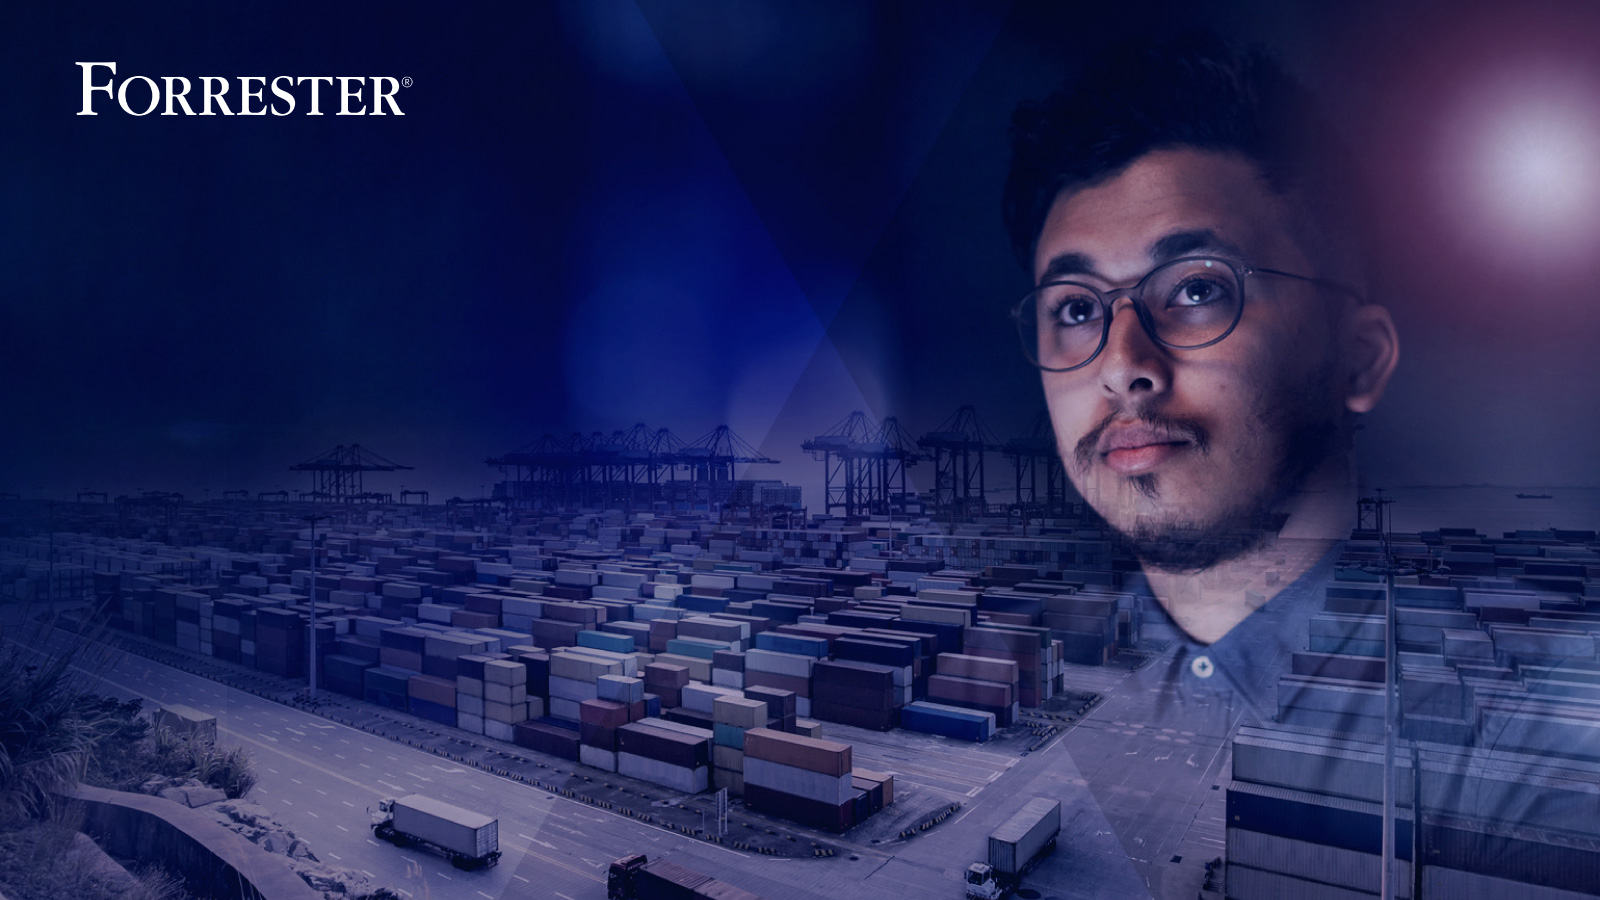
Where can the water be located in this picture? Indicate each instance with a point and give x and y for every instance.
(1492, 510)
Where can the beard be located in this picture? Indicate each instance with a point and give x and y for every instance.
(1304, 439)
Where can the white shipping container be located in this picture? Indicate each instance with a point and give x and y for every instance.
(702, 697)
(619, 689)
(605, 760)
(679, 778)
(508, 694)
(577, 577)
(1302, 859)
(833, 789)
(778, 663)
(505, 671)
(569, 689)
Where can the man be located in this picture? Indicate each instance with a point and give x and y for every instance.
(1200, 319)
(1202, 323)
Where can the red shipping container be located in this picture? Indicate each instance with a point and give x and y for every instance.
(811, 754)
(603, 712)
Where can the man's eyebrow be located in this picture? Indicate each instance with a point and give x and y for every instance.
(1194, 240)
(1170, 246)
(1067, 264)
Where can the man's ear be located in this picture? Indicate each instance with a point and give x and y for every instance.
(1371, 351)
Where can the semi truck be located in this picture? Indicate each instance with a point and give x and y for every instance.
(1014, 848)
(469, 840)
(637, 878)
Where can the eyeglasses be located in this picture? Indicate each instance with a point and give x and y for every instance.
(1183, 304)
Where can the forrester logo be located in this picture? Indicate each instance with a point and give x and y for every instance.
(140, 95)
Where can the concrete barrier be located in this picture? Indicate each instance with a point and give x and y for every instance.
(212, 860)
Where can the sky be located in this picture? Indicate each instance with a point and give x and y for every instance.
(759, 214)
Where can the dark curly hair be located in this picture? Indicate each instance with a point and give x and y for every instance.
(1194, 90)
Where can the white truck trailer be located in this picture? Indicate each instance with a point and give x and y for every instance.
(470, 840)
(186, 722)
(1014, 848)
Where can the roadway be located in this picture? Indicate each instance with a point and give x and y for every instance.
(318, 778)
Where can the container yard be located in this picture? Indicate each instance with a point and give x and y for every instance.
(792, 679)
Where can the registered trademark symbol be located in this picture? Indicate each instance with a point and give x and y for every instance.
(406, 81)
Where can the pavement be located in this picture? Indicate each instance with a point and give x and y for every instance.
(1141, 817)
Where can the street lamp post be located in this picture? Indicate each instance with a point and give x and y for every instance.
(311, 635)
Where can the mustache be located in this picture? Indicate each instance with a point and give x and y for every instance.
(1190, 430)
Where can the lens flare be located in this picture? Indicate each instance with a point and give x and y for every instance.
(1526, 166)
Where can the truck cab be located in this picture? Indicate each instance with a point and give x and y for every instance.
(982, 883)
(385, 813)
(622, 877)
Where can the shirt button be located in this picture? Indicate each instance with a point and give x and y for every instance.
(1202, 667)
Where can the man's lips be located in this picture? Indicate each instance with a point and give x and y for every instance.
(1136, 448)
(1131, 445)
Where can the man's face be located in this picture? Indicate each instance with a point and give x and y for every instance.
(1171, 443)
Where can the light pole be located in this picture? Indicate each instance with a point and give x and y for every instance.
(311, 631)
(1389, 681)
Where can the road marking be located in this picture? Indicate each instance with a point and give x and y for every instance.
(321, 791)
(272, 770)
(341, 828)
(390, 786)
(490, 896)
(312, 814)
(520, 878)
(446, 877)
(335, 856)
(339, 756)
(256, 738)
(409, 860)
(297, 781)
(562, 896)
(285, 803)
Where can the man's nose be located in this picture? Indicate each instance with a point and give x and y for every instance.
(1132, 362)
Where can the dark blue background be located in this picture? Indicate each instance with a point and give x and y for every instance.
(685, 214)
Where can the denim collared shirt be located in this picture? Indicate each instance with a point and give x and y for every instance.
(1237, 675)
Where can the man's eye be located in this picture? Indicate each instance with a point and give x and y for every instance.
(1077, 311)
(1198, 291)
